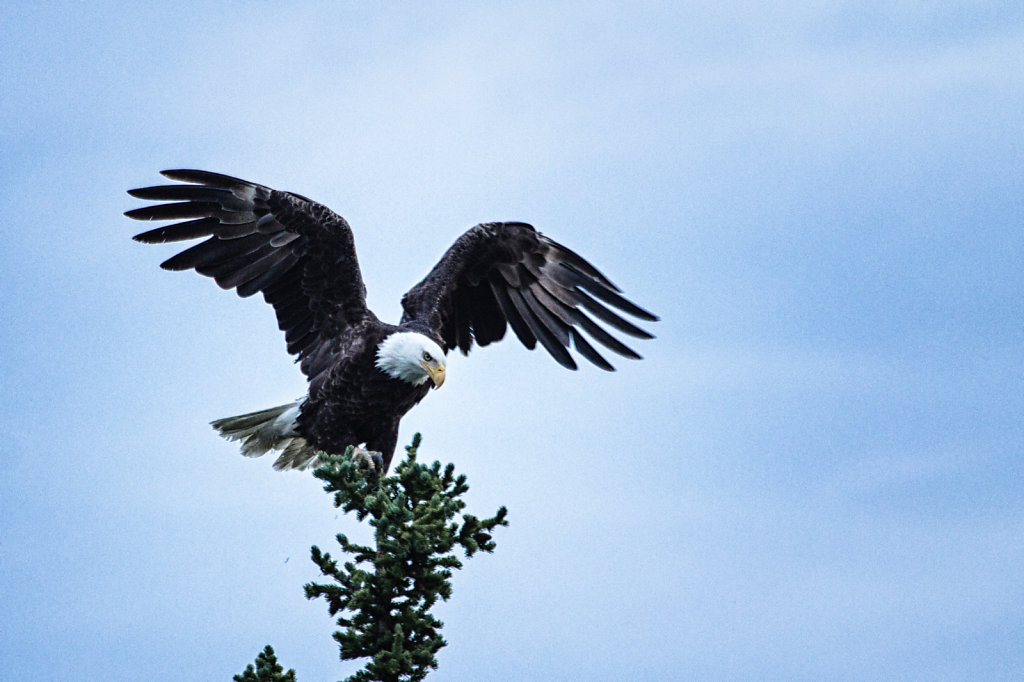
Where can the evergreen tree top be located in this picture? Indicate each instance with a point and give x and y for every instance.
(382, 595)
(267, 669)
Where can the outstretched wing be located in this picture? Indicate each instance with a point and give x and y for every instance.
(298, 253)
(498, 273)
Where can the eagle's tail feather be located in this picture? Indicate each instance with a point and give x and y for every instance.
(271, 429)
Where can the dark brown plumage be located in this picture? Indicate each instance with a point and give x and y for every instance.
(301, 256)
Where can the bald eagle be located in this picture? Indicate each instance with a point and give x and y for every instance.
(365, 374)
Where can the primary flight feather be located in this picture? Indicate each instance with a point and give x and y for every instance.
(365, 374)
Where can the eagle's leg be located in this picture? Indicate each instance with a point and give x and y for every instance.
(374, 460)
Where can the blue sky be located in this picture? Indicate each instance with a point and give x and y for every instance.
(815, 472)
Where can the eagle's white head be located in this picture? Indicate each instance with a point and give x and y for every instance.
(411, 357)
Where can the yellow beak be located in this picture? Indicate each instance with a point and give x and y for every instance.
(436, 375)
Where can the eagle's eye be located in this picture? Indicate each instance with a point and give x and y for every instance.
(427, 357)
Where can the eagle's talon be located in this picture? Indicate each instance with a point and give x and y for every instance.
(373, 460)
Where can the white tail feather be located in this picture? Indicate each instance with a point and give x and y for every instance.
(271, 429)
